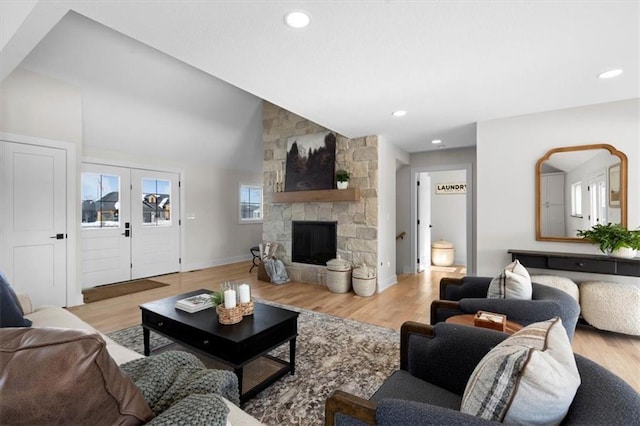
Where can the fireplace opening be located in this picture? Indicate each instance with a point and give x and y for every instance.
(314, 243)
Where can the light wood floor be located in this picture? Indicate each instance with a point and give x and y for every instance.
(408, 300)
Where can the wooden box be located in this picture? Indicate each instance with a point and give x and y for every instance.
(490, 320)
(262, 273)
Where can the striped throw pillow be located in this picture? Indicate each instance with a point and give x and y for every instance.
(531, 377)
(513, 282)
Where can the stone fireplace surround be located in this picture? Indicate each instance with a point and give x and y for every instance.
(357, 239)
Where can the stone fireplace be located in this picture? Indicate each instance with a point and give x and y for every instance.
(356, 221)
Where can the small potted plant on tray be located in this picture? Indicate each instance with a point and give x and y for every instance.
(613, 239)
(342, 179)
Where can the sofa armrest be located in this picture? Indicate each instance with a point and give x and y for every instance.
(459, 288)
(350, 405)
(25, 302)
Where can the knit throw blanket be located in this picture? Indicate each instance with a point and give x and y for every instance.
(181, 390)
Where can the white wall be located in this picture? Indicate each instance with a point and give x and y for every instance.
(206, 151)
(507, 152)
(388, 154)
(449, 214)
(41, 106)
(37, 105)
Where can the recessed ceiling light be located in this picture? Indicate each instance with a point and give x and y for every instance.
(436, 141)
(610, 73)
(297, 19)
(399, 113)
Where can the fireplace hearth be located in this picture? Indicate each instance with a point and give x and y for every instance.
(313, 242)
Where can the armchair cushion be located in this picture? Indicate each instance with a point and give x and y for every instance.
(11, 314)
(531, 377)
(513, 282)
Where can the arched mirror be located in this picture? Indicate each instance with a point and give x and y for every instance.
(578, 187)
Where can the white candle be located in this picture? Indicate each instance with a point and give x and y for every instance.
(245, 293)
(230, 299)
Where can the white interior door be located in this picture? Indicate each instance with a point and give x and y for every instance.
(106, 250)
(424, 221)
(598, 199)
(33, 231)
(155, 219)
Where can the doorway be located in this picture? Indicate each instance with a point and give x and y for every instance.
(130, 223)
(443, 209)
(37, 218)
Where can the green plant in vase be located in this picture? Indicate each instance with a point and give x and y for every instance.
(613, 239)
(217, 298)
(342, 179)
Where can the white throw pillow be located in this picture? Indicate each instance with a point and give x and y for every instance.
(531, 377)
(513, 282)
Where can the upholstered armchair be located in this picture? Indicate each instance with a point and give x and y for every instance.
(435, 365)
(468, 295)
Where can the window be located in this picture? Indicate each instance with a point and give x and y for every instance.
(250, 203)
(576, 199)
(100, 201)
(156, 202)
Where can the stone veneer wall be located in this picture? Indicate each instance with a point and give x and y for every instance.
(357, 221)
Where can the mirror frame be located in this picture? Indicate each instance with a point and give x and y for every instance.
(623, 187)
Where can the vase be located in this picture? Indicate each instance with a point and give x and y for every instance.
(624, 253)
(342, 184)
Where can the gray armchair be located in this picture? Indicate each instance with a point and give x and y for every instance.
(435, 365)
(468, 295)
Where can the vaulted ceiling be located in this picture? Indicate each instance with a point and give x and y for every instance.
(449, 64)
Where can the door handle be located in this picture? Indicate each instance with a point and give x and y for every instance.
(58, 237)
(127, 233)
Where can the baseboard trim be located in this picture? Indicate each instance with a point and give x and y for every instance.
(215, 262)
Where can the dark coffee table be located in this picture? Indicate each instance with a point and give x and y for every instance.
(234, 345)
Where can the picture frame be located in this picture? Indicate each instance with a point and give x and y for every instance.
(311, 162)
(614, 185)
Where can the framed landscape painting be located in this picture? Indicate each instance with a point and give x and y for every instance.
(311, 162)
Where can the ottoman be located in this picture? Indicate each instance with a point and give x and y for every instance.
(611, 306)
(561, 283)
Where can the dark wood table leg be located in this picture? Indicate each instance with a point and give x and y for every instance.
(292, 355)
(146, 334)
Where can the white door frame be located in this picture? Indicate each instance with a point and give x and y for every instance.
(145, 166)
(74, 293)
(471, 249)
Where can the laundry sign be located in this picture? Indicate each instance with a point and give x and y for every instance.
(451, 188)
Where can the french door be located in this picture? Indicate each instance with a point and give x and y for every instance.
(130, 224)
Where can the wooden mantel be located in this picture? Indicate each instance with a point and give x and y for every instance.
(319, 195)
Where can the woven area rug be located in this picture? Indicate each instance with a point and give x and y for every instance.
(331, 353)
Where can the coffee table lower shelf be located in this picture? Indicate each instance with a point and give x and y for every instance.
(253, 376)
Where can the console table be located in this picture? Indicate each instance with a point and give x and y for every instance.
(592, 263)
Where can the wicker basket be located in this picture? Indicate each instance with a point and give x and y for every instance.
(229, 316)
(338, 275)
(246, 308)
(364, 281)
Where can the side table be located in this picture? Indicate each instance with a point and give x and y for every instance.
(467, 319)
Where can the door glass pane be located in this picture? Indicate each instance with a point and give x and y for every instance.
(100, 200)
(156, 202)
